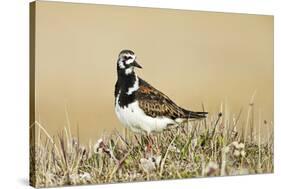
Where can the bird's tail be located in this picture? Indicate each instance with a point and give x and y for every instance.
(195, 115)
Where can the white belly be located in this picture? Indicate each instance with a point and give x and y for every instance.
(134, 118)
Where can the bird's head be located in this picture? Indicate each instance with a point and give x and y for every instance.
(127, 61)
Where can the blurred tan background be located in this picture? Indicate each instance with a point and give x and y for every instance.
(193, 57)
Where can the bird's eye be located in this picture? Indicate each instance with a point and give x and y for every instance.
(128, 57)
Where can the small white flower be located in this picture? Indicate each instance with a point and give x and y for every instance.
(236, 153)
(74, 177)
(243, 153)
(241, 146)
(147, 164)
(226, 149)
(98, 149)
(213, 165)
(173, 148)
(85, 176)
(157, 160)
(235, 144)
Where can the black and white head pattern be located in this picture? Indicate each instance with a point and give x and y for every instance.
(127, 61)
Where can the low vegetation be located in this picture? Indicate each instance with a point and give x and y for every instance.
(215, 146)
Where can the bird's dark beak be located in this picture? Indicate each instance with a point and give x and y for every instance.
(135, 64)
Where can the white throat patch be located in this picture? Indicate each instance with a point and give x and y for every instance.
(134, 87)
(129, 70)
(121, 64)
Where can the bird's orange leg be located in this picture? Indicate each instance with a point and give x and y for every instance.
(148, 150)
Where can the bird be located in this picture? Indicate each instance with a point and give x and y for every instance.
(141, 107)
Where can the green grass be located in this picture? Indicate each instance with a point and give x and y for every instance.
(212, 147)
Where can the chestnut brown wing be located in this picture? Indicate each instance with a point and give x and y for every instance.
(154, 103)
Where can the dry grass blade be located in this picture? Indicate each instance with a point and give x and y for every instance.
(166, 154)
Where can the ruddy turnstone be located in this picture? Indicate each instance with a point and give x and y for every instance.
(141, 107)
